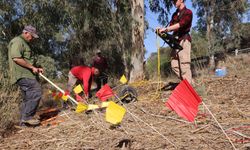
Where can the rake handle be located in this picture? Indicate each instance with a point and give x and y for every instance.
(62, 91)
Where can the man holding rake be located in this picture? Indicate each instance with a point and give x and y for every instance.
(23, 73)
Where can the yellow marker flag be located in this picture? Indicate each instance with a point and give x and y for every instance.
(92, 106)
(81, 107)
(64, 97)
(105, 104)
(114, 113)
(123, 79)
(55, 98)
(78, 89)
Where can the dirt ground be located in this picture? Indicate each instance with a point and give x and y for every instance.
(148, 124)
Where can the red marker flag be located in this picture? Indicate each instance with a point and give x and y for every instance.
(59, 95)
(104, 93)
(79, 98)
(66, 92)
(53, 94)
(65, 95)
(184, 101)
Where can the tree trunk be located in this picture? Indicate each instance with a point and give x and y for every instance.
(137, 53)
(210, 25)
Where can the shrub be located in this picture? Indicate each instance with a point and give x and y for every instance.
(9, 105)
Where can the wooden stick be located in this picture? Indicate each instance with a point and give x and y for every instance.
(204, 127)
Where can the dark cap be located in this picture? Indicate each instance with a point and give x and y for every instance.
(31, 30)
(176, 1)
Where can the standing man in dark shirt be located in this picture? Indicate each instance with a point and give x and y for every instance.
(180, 24)
(23, 73)
(101, 64)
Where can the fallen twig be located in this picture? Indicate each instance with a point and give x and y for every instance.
(204, 127)
(161, 116)
(240, 134)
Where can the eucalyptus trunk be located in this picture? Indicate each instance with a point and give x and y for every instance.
(209, 11)
(137, 53)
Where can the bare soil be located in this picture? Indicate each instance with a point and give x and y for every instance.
(148, 124)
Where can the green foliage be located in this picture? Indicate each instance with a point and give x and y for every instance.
(73, 28)
(245, 35)
(217, 20)
(152, 63)
(68, 29)
(199, 45)
(161, 7)
(9, 102)
(220, 19)
(3, 64)
(48, 64)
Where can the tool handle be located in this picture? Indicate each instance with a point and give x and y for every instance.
(71, 98)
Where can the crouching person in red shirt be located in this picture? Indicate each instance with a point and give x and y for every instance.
(85, 74)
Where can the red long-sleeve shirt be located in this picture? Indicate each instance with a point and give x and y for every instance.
(84, 73)
(185, 21)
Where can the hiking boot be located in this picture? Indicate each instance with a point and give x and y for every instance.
(32, 122)
(21, 126)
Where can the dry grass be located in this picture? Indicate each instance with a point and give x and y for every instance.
(146, 126)
(9, 106)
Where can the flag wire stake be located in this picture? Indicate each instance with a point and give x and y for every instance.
(158, 64)
(219, 125)
(161, 116)
(152, 127)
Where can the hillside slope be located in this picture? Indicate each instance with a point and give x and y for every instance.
(148, 124)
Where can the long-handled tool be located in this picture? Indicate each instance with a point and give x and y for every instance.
(89, 106)
(171, 40)
(173, 43)
(62, 91)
